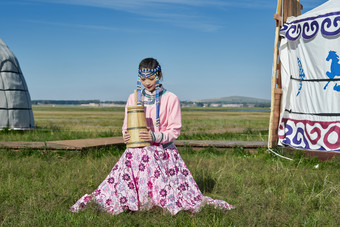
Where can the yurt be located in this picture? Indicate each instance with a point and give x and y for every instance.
(309, 52)
(15, 102)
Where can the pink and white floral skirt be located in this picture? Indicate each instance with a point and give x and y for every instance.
(148, 177)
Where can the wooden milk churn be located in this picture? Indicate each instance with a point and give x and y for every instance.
(136, 122)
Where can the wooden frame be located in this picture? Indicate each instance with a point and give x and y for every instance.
(285, 9)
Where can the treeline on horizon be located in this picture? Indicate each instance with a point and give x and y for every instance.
(73, 102)
(184, 103)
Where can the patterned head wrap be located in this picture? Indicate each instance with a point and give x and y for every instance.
(146, 73)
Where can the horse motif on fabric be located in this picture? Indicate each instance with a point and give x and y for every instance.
(335, 69)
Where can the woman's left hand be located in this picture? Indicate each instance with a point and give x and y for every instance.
(146, 135)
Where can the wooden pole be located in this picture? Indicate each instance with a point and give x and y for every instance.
(290, 8)
(272, 126)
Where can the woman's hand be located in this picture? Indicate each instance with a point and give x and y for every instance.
(146, 135)
(126, 137)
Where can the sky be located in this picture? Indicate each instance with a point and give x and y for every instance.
(91, 49)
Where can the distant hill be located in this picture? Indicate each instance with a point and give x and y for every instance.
(231, 101)
(235, 100)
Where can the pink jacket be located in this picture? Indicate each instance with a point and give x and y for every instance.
(169, 114)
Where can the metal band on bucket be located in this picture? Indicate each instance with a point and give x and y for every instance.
(136, 128)
(135, 111)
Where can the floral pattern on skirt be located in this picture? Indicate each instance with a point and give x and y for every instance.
(147, 177)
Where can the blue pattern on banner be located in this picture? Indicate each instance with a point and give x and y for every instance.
(301, 75)
(328, 24)
(335, 69)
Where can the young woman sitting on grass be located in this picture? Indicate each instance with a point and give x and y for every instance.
(155, 175)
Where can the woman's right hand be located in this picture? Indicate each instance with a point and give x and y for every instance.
(126, 137)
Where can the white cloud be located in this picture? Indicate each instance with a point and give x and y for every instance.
(139, 4)
(179, 13)
(87, 26)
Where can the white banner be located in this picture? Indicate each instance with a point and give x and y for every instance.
(310, 105)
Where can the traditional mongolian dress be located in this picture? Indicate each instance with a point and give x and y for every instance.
(155, 175)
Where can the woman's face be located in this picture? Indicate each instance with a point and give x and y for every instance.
(149, 83)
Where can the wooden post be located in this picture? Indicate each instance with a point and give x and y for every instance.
(272, 123)
(290, 8)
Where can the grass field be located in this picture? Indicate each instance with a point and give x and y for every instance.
(74, 122)
(38, 187)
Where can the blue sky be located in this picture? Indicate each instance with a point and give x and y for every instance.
(90, 49)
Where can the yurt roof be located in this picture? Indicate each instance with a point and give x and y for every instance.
(15, 101)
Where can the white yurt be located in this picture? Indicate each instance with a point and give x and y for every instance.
(15, 101)
(310, 71)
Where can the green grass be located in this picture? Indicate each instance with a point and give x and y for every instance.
(246, 135)
(70, 122)
(75, 122)
(37, 189)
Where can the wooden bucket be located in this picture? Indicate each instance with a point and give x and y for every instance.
(136, 122)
